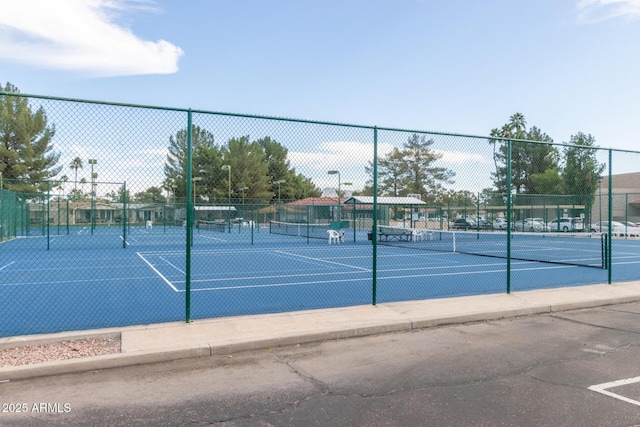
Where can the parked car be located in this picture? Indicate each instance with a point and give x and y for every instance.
(578, 224)
(500, 224)
(565, 224)
(463, 224)
(629, 224)
(483, 224)
(617, 228)
(538, 224)
(529, 224)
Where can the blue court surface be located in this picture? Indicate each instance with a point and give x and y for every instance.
(106, 277)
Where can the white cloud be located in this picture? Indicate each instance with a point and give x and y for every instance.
(590, 11)
(351, 157)
(337, 154)
(81, 35)
(458, 157)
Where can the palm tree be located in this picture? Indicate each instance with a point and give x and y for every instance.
(62, 182)
(518, 124)
(83, 181)
(75, 165)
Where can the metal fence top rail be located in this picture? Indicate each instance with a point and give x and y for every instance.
(305, 121)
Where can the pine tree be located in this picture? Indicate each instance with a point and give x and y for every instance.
(27, 158)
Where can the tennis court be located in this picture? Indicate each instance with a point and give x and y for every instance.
(100, 278)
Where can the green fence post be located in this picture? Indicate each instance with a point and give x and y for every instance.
(353, 214)
(374, 241)
(478, 214)
(509, 216)
(189, 227)
(47, 218)
(610, 215)
(124, 215)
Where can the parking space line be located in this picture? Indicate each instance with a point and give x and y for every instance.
(602, 388)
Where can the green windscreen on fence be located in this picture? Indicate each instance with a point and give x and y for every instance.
(14, 214)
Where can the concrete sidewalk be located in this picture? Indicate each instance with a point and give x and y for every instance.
(179, 340)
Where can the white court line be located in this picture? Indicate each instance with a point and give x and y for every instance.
(5, 266)
(321, 261)
(126, 243)
(214, 238)
(278, 285)
(280, 276)
(81, 281)
(172, 265)
(158, 273)
(404, 276)
(602, 388)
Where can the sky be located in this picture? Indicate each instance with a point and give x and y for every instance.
(460, 66)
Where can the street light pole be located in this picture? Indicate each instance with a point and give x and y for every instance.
(600, 200)
(195, 218)
(279, 182)
(93, 162)
(228, 168)
(242, 189)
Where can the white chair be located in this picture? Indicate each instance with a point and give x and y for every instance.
(335, 236)
(417, 235)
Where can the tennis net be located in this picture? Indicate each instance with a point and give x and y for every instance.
(312, 231)
(216, 225)
(581, 249)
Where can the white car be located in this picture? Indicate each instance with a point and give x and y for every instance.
(565, 224)
(617, 228)
(529, 224)
(538, 224)
(500, 224)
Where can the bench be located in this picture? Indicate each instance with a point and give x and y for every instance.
(398, 233)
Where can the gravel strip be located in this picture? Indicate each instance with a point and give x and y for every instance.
(65, 350)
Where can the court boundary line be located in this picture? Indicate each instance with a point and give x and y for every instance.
(273, 285)
(277, 276)
(321, 261)
(167, 281)
(5, 266)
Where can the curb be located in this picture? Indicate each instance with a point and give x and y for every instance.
(280, 339)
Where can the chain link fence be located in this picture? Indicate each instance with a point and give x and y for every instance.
(114, 215)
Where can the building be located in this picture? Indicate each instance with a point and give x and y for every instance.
(625, 198)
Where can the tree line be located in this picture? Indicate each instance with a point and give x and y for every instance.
(537, 167)
(259, 170)
(239, 168)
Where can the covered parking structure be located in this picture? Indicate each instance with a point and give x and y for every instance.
(361, 208)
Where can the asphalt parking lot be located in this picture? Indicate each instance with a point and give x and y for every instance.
(568, 368)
